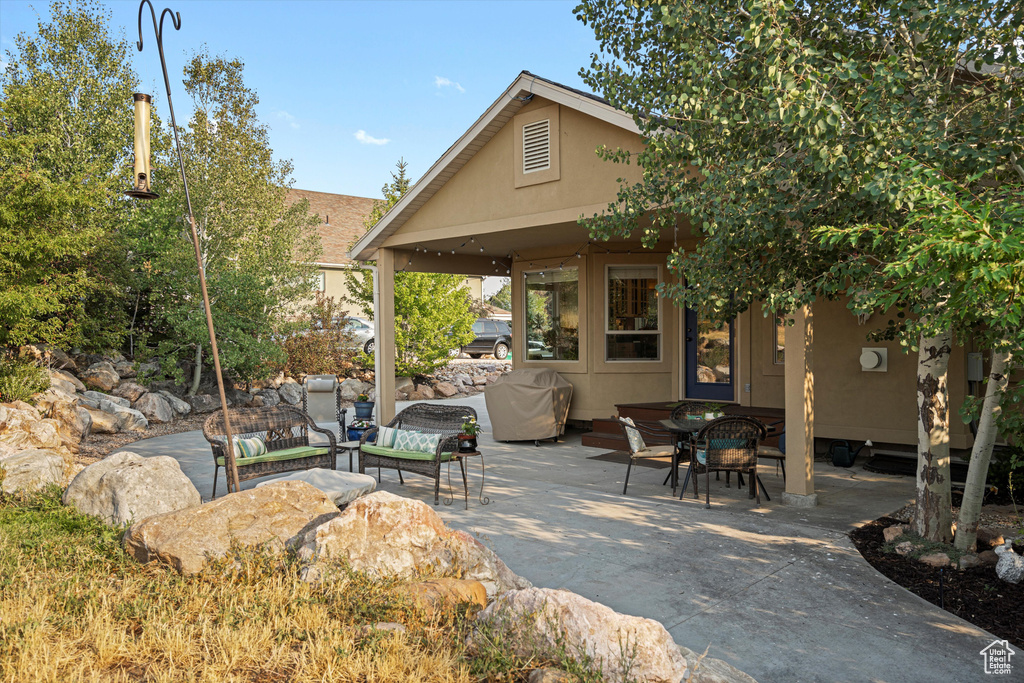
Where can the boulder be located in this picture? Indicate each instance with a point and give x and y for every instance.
(150, 369)
(404, 384)
(22, 427)
(462, 379)
(101, 376)
(125, 487)
(290, 392)
(278, 515)
(351, 388)
(445, 389)
(44, 401)
(425, 392)
(31, 470)
(48, 356)
(203, 403)
(73, 422)
(236, 398)
(938, 559)
(969, 562)
(891, 533)
(401, 396)
(479, 381)
(177, 405)
(904, 548)
(90, 397)
(127, 418)
(68, 377)
(387, 535)
(1010, 566)
(124, 369)
(58, 382)
(706, 375)
(130, 391)
(989, 538)
(270, 397)
(541, 623)
(102, 422)
(433, 595)
(155, 407)
(988, 558)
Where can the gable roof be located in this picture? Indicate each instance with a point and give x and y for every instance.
(521, 91)
(341, 221)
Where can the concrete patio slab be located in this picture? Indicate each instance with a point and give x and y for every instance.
(778, 592)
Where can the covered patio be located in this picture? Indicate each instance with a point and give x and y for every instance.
(779, 592)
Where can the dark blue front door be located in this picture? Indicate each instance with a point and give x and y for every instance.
(709, 359)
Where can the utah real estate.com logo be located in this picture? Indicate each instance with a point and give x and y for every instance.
(997, 657)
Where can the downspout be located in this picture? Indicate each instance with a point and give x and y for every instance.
(376, 342)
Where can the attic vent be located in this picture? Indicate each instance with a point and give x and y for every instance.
(537, 146)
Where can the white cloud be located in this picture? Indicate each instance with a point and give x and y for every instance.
(442, 82)
(289, 119)
(366, 139)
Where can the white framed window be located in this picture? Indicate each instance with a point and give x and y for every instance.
(320, 282)
(632, 313)
(552, 306)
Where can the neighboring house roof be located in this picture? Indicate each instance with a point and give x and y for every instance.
(479, 134)
(491, 311)
(341, 221)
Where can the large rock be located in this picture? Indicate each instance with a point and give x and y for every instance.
(179, 407)
(425, 392)
(203, 403)
(278, 515)
(101, 376)
(125, 487)
(155, 407)
(541, 622)
(73, 422)
(127, 418)
(1010, 566)
(436, 594)
(22, 428)
(446, 389)
(404, 384)
(48, 356)
(68, 377)
(124, 369)
(351, 388)
(31, 470)
(291, 392)
(387, 535)
(236, 398)
(57, 381)
(94, 398)
(130, 391)
(270, 396)
(103, 422)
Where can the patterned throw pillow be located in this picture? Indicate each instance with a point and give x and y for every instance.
(636, 440)
(386, 436)
(249, 448)
(416, 442)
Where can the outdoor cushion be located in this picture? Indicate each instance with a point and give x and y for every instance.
(636, 440)
(403, 455)
(249, 448)
(654, 452)
(415, 441)
(283, 454)
(720, 444)
(340, 487)
(386, 436)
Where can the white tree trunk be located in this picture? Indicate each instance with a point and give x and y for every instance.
(197, 372)
(933, 518)
(981, 454)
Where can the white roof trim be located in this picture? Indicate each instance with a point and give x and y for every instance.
(477, 136)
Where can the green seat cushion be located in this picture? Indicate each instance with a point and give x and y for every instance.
(403, 455)
(275, 456)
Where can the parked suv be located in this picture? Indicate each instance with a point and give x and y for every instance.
(492, 336)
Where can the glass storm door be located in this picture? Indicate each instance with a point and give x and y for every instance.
(709, 359)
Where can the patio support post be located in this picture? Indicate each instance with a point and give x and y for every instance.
(384, 318)
(800, 411)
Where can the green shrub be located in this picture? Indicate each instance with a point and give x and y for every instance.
(324, 346)
(20, 378)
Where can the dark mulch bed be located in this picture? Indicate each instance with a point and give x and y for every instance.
(976, 595)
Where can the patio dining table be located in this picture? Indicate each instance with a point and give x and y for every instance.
(681, 431)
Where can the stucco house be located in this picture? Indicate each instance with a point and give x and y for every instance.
(505, 198)
(342, 219)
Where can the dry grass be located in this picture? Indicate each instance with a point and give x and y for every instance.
(75, 607)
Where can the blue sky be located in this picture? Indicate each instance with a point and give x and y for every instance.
(348, 87)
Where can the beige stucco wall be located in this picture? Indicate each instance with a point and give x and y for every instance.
(484, 189)
(335, 286)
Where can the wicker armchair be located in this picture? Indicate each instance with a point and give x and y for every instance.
(637, 447)
(727, 444)
(426, 418)
(284, 429)
(686, 409)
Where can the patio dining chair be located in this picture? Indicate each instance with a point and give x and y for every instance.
(728, 444)
(637, 447)
(686, 410)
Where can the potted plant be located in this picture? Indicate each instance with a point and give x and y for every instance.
(357, 427)
(364, 407)
(467, 438)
